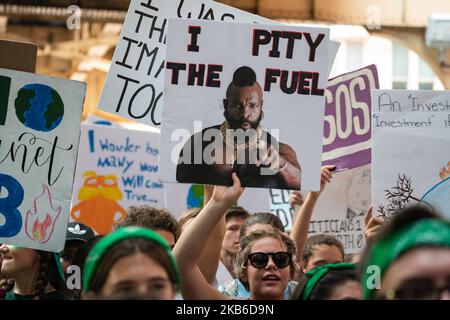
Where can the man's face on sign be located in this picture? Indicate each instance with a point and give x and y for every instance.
(243, 107)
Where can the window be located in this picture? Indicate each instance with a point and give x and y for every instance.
(354, 55)
(426, 76)
(399, 67)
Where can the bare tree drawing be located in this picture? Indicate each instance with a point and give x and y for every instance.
(398, 197)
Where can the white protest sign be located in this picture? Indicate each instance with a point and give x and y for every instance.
(134, 86)
(182, 196)
(278, 74)
(39, 134)
(116, 168)
(342, 206)
(410, 150)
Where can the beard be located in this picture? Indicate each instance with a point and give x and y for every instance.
(238, 124)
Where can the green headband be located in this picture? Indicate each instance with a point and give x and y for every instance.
(100, 248)
(319, 272)
(384, 252)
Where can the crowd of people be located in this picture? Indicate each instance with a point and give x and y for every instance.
(221, 251)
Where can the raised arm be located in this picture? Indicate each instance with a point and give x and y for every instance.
(192, 242)
(210, 257)
(299, 232)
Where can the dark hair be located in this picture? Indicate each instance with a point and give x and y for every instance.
(326, 286)
(151, 218)
(319, 239)
(129, 247)
(188, 215)
(237, 212)
(79, 259)
(242, 77)
(47, 273)
(263, 218)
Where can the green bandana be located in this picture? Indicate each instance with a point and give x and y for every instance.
(101, 247)
(319, 272)
(432, 232)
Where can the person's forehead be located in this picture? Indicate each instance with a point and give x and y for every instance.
(137, 267)
(166, 234)
(248, 92)
(326, 250)
(267, 244)
(235, 220)
(432, 263)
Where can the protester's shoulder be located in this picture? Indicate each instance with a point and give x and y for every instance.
(286, 149)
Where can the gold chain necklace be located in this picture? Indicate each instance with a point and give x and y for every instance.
(228, 138)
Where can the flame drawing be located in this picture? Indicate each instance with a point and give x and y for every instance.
(445, 172)
(42, 231)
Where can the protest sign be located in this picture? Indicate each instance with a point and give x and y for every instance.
(134, 85)
(342, 206)
(410, 150)
(40, 120)
(226, 78)
(20, 56)
(116, 168)
(181, 197)
(280, 206)
(347, 119)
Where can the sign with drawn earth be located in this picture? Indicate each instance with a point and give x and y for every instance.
(410, 150)
(39, 133)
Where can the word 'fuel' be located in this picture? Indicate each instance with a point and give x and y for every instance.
(301, 82)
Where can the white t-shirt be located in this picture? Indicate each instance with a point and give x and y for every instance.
(222, 275)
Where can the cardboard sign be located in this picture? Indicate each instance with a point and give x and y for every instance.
(20, 56)
(134, 86)
(410, 150)
(232, 92)
(347, 119)
(116, 168)
(39, 133)
(342, 206)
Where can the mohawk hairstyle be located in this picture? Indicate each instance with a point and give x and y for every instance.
(244, 77)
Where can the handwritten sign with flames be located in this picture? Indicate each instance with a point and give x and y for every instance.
(38, 149)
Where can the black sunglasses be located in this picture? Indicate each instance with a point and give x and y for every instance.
(260, 260)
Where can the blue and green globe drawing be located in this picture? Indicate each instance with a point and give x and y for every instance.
(195, 196)
(439, 197)
(39, 107)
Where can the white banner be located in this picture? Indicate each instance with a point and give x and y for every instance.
(116, 168)
(39, 134)
(410, 150)
(134, 86)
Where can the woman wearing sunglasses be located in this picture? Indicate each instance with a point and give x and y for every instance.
(264, 263)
